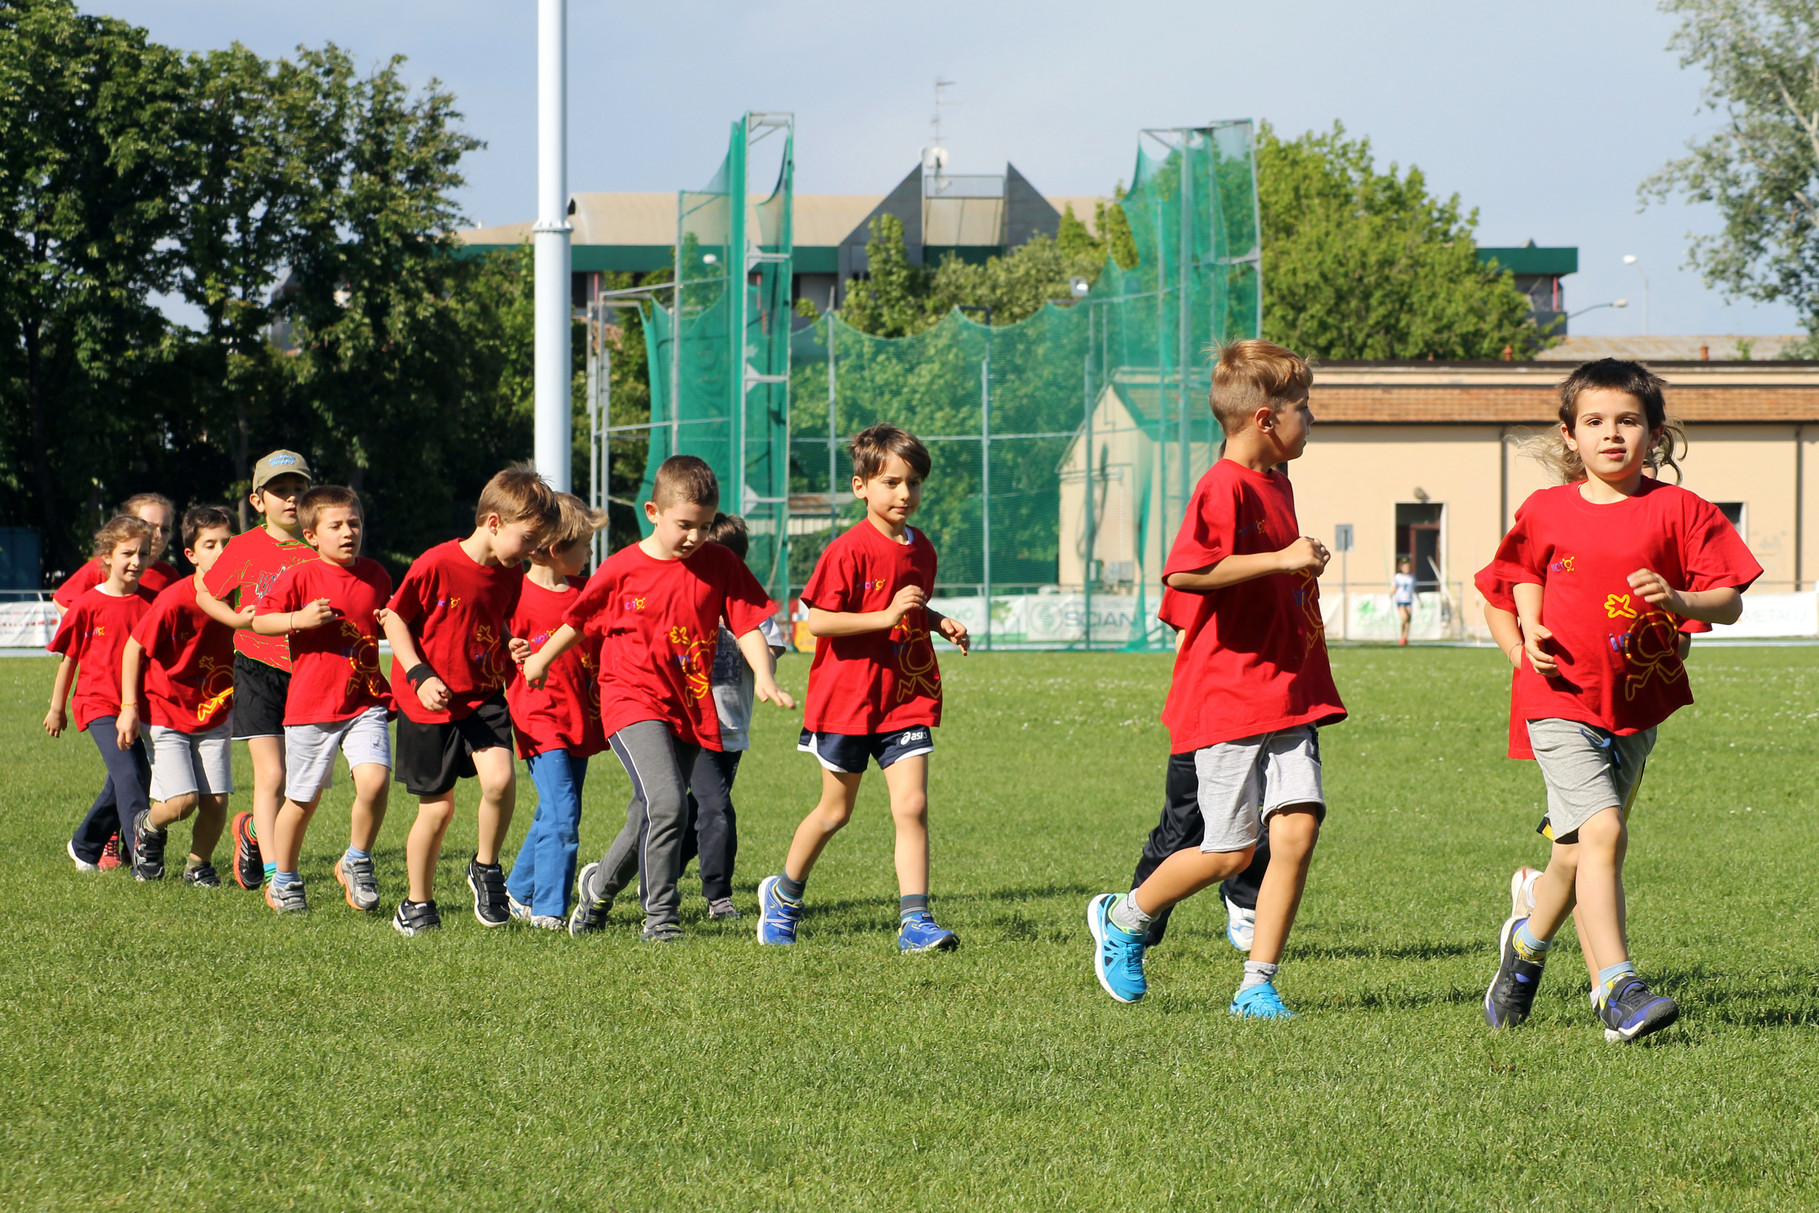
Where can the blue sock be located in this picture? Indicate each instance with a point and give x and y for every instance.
(271, 870)
(1608, 978)
(911, 906)
(283, 880)
(357, 853)
(1528, 947)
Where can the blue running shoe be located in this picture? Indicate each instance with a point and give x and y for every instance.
(921, 934)
(1260, 1002)
(1633, 1011)
(777, 918)
(1511, 995)
(1117, 954)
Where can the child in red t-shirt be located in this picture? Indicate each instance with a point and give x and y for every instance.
(186, 660)
(1251, 684)
(558, 723)
(338, 699)
(262, 664)
(91, 637)
(1591, 596)
(874, 690)
(449, 624)
(153, 508)
(657, 607)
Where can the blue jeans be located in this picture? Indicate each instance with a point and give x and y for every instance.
(544, 871)
(123, 796)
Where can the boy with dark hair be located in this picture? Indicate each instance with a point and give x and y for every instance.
(657, 606)
(1251, 681)
(449, 627)
(187, 660)
(262, 664)
(338, 701)
(874, 690)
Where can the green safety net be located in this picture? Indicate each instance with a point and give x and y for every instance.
(729, 353)
(1064, 446)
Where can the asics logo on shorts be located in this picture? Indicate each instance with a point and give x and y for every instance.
(910, 735)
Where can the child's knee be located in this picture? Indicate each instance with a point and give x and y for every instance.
(1294, 831)
(833, 814)
(437, 813)
(910, 807)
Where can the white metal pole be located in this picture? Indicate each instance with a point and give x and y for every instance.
(550, 241)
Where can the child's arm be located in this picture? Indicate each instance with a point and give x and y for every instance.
(57, 718)
(131, 661)
(220, 612)
(432, 692)
(1723, 605)
(536, 666)
(283, 623)
(953, 629)
(1505, 631)
(1528, 616)
(858, 623)
(1305, 555)
(757, 652)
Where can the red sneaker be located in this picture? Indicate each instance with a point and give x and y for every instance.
(110, 854)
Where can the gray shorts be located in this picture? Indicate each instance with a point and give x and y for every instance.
(1242, 782)
(309, 751)
(1586, 770)
(187, 763)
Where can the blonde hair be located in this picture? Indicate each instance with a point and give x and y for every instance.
(518, 494)
(1253, 374)
(133, 504)
(121, 528)
(575, 521)
(1667, 437)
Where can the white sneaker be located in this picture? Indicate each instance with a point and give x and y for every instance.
(547, 922)
(82, 865)
(1522, 891)
(1240, 925)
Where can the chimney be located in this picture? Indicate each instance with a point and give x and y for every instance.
(1705, 352)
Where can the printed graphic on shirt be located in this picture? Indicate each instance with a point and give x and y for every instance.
(1649, 646)
(695, 656)
(215, 679)
(915, 653)
(1307, 603)
(362, 653)
(491, 660)
(590, 668)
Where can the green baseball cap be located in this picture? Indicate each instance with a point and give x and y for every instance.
(279, 463)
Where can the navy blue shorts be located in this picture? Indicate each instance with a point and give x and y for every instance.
(845, 753)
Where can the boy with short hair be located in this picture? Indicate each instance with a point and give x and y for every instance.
(247, 568)
(338, 699)
(658, 604)
(874, 689)
(1251, 682)
(187, 661)
(558, 724)
(452, 654)
(91, 638)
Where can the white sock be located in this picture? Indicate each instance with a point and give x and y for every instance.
(1256, 973)
(1127, 915)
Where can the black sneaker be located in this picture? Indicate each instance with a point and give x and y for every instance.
(487, 880)
(1633, 1011)
(249, 865)
(202, 876)
(667, 932)
(722, 909)
(1512, 991)
(148, 848)
(416, 917)
(591, 908)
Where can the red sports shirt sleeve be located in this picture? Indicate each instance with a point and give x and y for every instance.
(1207, 536)
(747, 605)
(834, 585)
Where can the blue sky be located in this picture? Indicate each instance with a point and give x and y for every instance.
(1544, 116)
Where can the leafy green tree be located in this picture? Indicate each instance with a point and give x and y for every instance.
(1760, 169)
(1365, 264)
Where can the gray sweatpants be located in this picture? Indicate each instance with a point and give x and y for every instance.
(658, 763)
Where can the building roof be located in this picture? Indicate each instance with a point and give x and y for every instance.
(1724, 347)
(1531, 259)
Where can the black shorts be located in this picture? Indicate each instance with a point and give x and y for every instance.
(259, 694)
(429, 758)
(846, 753)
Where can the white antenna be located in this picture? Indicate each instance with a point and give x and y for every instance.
(934, 156)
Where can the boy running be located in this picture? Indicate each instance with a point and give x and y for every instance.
(874, 690)
(452, 653)
(338, 698)
(262, 664)
(658, 605)
(1251, 682)
(187, 660)
(558, 724)
(1591, 596)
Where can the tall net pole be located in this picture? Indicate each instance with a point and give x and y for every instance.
(552, 448)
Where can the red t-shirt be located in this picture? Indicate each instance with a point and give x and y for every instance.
(91, 574)
(189, 672)
(1620, 666)
(659, 622)
(335, 671)
(93, 633)
(564, 714)
(246, 568)
(459, 613)
(1254, 656)
(875, 682)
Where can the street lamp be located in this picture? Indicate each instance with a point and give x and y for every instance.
(1613, 303)
(1630, 259)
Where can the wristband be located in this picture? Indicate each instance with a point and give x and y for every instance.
(419, 674)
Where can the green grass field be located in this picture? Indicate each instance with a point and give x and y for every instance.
(174, 1048)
